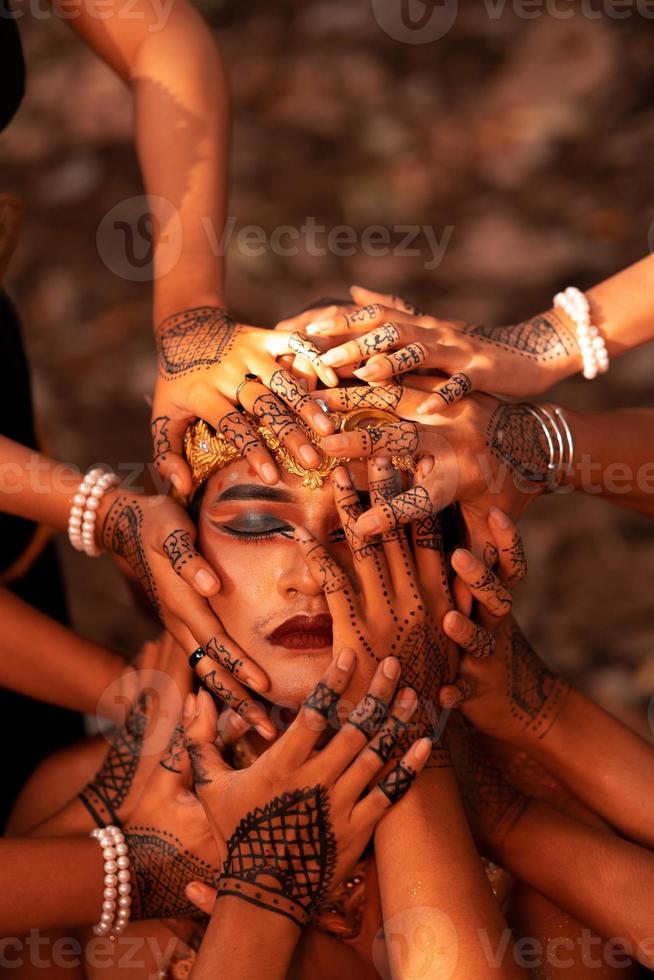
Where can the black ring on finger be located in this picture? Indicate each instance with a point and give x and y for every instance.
(246, 381)
(196, 657)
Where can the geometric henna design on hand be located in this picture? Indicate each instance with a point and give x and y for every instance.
(369, 715)
(300, 345)
(517, 559)
(386, 396)
(516, 438)
(536, 695)
(391, 733)
(398, 782)
(109, 788)
(415, 504)
(482, 643)
(161, 869)
(383, 337)
(286, 386)
(282, 856)
(179, 549)
(322, 699)
(458, 386)
(236, 430)
(499, 600)
(121, 534)
(194, 339)
(542, 338)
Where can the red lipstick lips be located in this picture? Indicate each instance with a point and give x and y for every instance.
(304, 633)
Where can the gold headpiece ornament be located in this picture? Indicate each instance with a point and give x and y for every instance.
(207, 451)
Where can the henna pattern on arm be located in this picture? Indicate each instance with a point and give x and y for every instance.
(282, 856)
(161, 869)
(109, 789)
(536, 695)
(542, 338)
(194, 339)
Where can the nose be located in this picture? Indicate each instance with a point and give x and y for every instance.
(295, 578)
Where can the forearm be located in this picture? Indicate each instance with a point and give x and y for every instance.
(237, 935)
(623, 307)
(614, 456)
(43, 659)
(426, 859)
(35, 487)
(602, 880)
(182, 135)
(603, 763)
(50, 883)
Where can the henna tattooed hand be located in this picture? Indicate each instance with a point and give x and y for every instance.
(156, 538)
(503, 688)
(293, 824)
(203, 357)
(387, 610)
(483, 452)
(523, 359)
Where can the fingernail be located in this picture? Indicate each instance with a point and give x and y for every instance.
(176, 481)
(319, 326)
(367, 524)
(451, 700)
(323, 423)
(500, 518)
(426, 465)
(331, 378)
(456, 623)
(390, 667)
(334, 444)
(254, 681)
(423, 749)
(368, 373)
(266, 729)
(463, 560)
(205, 581)
(334, 357)
(269, 472)
(345, 659)
(195, 892)
(423, 409)
(189, 707)
(198, 701)
(308, 455)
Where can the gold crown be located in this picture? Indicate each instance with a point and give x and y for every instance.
(207, 451)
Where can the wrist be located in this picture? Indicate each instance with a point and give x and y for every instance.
(106, 503)
(565, 367)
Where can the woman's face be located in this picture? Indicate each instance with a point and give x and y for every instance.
(269, 603)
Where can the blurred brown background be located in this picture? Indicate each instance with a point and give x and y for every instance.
(531, 140)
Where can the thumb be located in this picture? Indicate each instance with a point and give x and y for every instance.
(167, 449)
(203, 896)
(200, 724)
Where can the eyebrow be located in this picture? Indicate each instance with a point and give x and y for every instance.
(255, 491)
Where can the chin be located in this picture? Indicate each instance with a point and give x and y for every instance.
(294, 674)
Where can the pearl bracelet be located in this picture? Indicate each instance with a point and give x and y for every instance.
(594, 354)
(83, 512)
(117, 882)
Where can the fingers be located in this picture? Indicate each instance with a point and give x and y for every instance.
(452, 391)
(415, 504)
(484, 585)
(428, 548)
(237, 430)
(511, 559)
(300, 345)
(393, 787)
(384, 485)
(455, 695)
(363, 296)
(384, 366)
(318, 711)
(200, 720)
(369, 560)
(282, 422)
(179, 548)
(168, 449)
(364, 720)
(356, 321)
(326, 572)
(203, 896)
(386, 397)
(396, 439)
(383, 338)
(289, 389)
(475, 640)
(224, 686)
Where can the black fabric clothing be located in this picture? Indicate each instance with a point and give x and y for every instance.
(12, 66)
